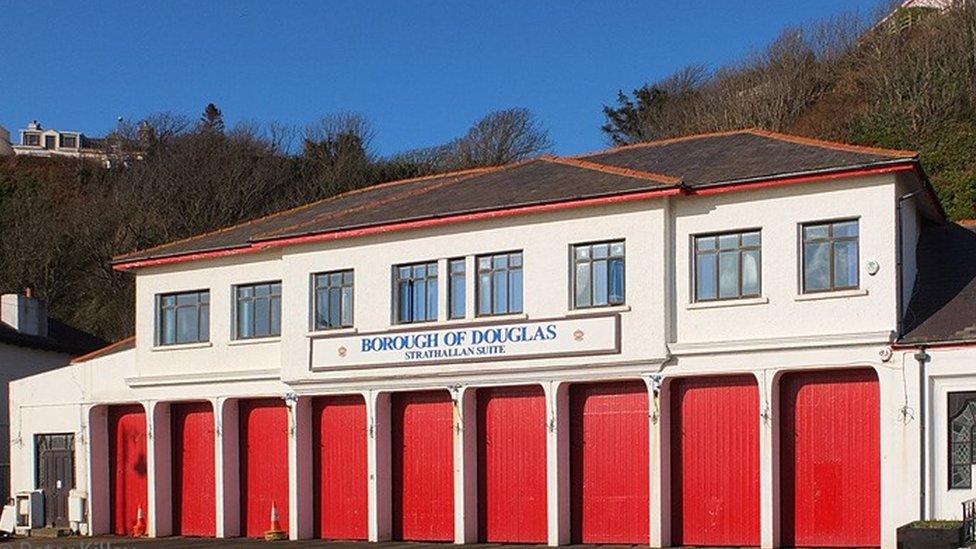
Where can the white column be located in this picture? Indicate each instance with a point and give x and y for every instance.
(159, 516)
(300, 494)
(659, 459)
(99, 498)
(378, 463)
(769, 457)
(227, 468)
(557, 457)
(465, 464)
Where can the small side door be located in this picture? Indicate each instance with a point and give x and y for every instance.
(55, 462)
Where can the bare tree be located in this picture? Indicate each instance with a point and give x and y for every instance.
(498, 138)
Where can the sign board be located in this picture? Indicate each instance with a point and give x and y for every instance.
(469, 343)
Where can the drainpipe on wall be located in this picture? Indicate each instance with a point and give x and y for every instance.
(922, 357)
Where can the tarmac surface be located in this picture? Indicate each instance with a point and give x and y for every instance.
(109, 542)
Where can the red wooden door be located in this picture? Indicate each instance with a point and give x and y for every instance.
(194, 480)
(512, 465)
(264, 464)
(830, 457)
(128, 463)
(715, 461)
(423, 466)
(339, 467)
(609, 464)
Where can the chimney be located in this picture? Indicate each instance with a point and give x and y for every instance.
(24, 312)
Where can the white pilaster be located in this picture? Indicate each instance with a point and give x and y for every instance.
(557, 457)
(465, 464)
(659, 460)
(227, 468)
(300, 519)
(378, 463)
(99, 497)
(160, 470)
(768, 457)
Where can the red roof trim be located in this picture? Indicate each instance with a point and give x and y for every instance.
(806, 178)
(104, 350)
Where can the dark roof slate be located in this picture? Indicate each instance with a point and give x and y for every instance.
(743, 155)
(61, 338)
(693, 161)
(943, 304)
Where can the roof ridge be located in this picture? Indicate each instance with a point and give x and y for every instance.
(332, 215)
(664, 141)
(472, 171)
(615, 170)
(102, 351)
(813, 141)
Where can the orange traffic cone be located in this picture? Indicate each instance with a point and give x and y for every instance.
(276, 532)
(139, 528)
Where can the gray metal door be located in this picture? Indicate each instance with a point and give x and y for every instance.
(55, 475)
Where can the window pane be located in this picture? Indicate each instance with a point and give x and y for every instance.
(457, 296)
(600, 282)
(499, 290)
(347, 278)
(262, 290)
(168, 332)
(484, 294)
(347, 306)
(617, 249)
(335, 279)
(322, 308)
(335, 298)
(404, 308)
(187, 300)
(186, 324)
(245, 317)
(499, 262)
(705, 279)
(204, 328)
(245, 292)
(582, 252)
(728, 241)
(601, 251)
(168, 300)
(728, 279)
(262, 317)
(431, 299)
(419, 291)
(705, 243)
(457, 266)
(816, 266)
(616, 281)
(515, 291)
(276, 288)
(845, 229)
(515, 260)
(750, 239)
(275, 316)
(583, 285)
(750, 272)
(845, 263)
(811, 232)
(484, 263)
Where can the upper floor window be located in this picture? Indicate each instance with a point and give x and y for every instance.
(69, 142)
(499, 284)
(456, 289)
(830, 256)
(962, 430)
(49, 141)
(32, 139)
(183, 317)
(727, 266)
(259, 310)
(598, 274)
(416, 292)
(333, 300)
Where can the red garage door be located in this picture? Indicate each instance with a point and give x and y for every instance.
(264, 464)
(339, 467)
(830, 457)
(609, 463)
(715, 461)
(423, 466)
(512, 465)
(194, 485)
(128, 463)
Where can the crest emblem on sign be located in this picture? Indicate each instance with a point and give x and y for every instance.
(578, 335)
(342, 351)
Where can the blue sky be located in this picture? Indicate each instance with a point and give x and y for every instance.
(422, 72)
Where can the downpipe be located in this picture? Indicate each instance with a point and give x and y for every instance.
(922, 357)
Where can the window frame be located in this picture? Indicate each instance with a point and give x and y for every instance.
(492, 270)
(63, 137)
(695, 298)
(412, 280)
(237, 307)
(159, 329)
(450, 287)
(315, 327)
(830, 239)
(573, 262)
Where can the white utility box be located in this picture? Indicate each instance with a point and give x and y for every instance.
(77, 510)
(30, 510)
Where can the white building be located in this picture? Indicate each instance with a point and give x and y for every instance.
(38, 141)
(699, 341)
(31, 342)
